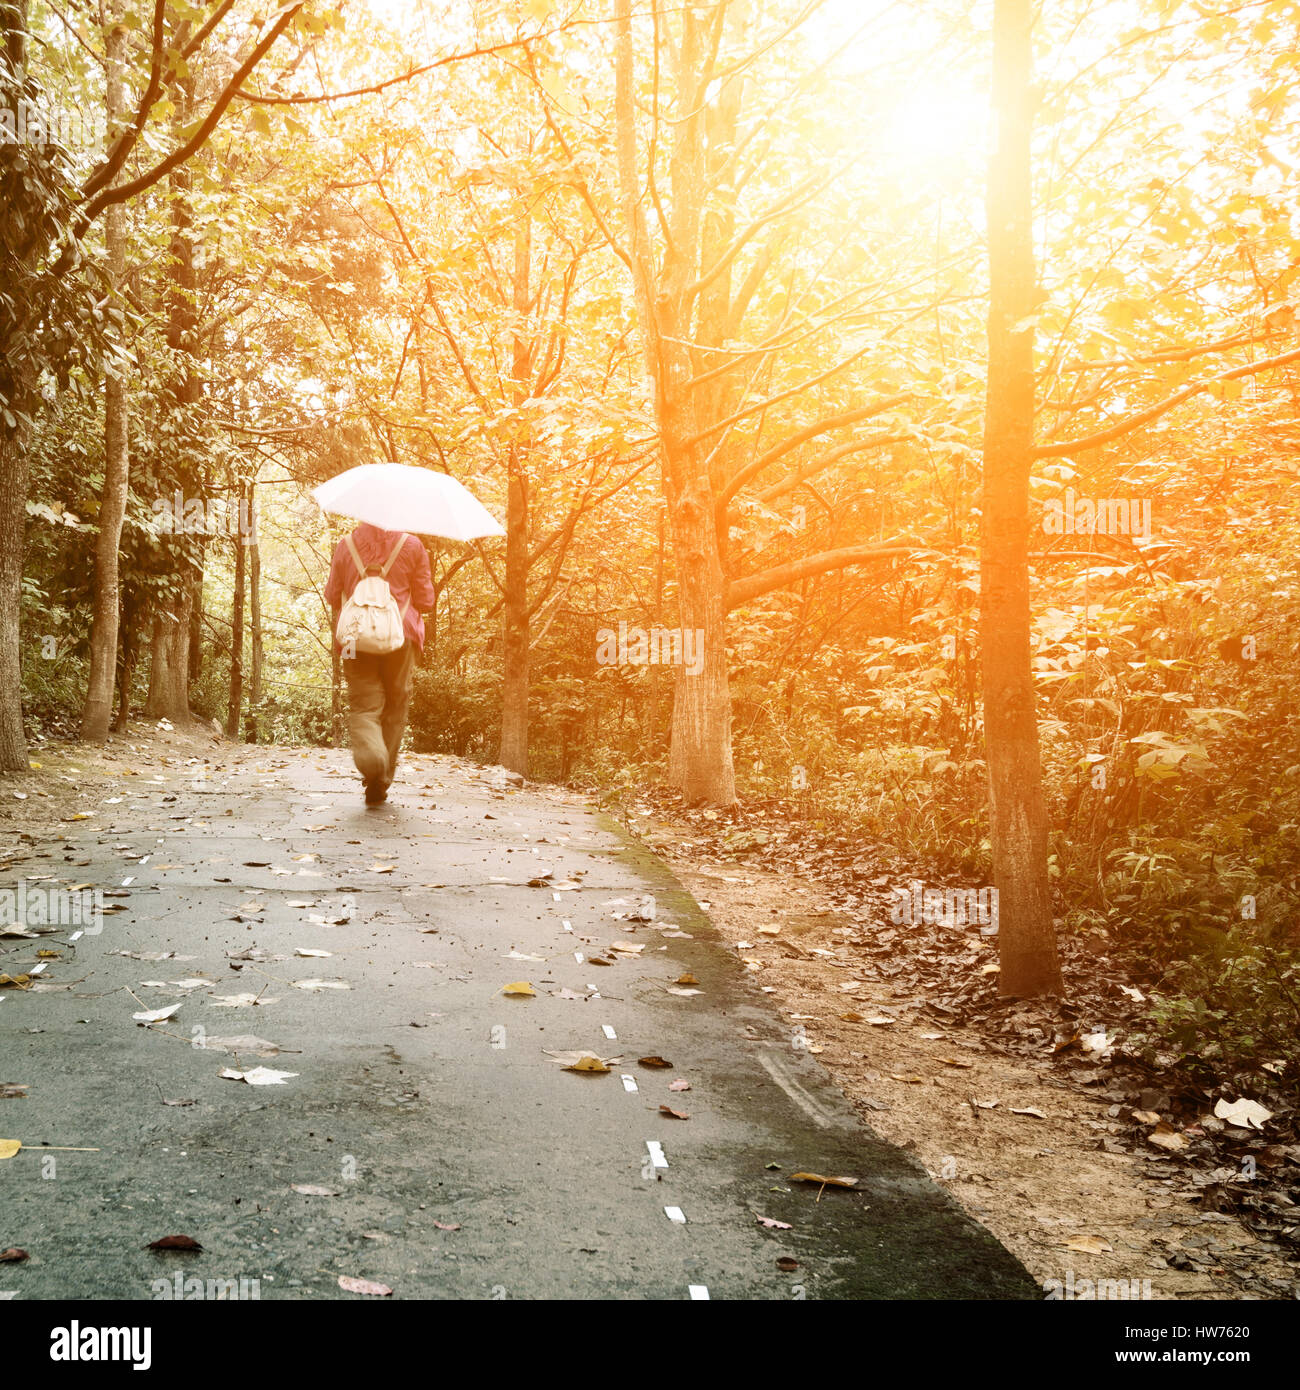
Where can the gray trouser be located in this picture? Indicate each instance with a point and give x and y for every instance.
(379, 695)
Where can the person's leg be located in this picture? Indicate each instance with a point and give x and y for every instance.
(399, 674)
(365, 712)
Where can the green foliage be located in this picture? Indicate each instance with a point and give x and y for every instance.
(1235, 1007)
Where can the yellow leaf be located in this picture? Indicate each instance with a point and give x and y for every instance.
(1089, 1245)
(521, 987)
(826, 1182)
(9, 1147)
(590, 1062)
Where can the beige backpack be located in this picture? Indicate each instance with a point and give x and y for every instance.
(370, 620)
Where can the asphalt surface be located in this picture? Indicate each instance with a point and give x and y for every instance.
(422, 1096)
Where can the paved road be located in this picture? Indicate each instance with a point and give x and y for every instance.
(423, 1096)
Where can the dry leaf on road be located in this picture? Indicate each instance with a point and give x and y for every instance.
(367, 1286)
(1089, 1245)
(174, 1243)
(257, 1076)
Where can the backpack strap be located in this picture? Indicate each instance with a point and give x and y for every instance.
(397, 550)
(356, 555)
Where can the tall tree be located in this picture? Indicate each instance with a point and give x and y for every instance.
(106, 613)
(1018, 813)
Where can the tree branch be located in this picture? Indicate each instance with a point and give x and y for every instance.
(1143, 417)
(822, 426)
(125, 191)
(742, 591)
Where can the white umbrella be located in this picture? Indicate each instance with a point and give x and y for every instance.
(395, 497)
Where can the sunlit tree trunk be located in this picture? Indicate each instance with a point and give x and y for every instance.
(513, 752)
(235, 708)
(700, 763)
(14, 477)
(1026, 935)
(106, 613)
(254, 615)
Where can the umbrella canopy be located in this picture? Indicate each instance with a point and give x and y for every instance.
(395, 497)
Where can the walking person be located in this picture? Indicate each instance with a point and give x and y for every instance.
(381, 636)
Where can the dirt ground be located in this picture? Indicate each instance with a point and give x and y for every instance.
(1039, 1179)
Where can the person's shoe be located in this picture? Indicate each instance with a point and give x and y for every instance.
(376, 793)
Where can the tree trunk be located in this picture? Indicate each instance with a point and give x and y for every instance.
(700, 761)
(106, 614)
(1018, 817)
(255, 614)
(235, 707)
(14, 470)
(169, 686)
(14, 477)
(513, 751)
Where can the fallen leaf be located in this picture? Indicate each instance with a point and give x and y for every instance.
(687, 979)
(156, 1015)
(826, 1182)
(368, 1286)
(1089, 1245)
(683, 993)
(311, 1190)
(773, 1224)
(9, 1147)
(1146, 1117)
(258, 1076)
(12, 1090)
(174, 1243)
(1165, 1136)
(676, 1114)
(587, 1062)
(654, 1061)
(852, 1017)
(1029, 1110)
(447, 1225)
(787, 1265)
(13, 1256)
(521, 988)
(308, 951)
(582, 1061)
(679, 1085)
(955, 1062)
(1249, 1114)
(320, 984)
